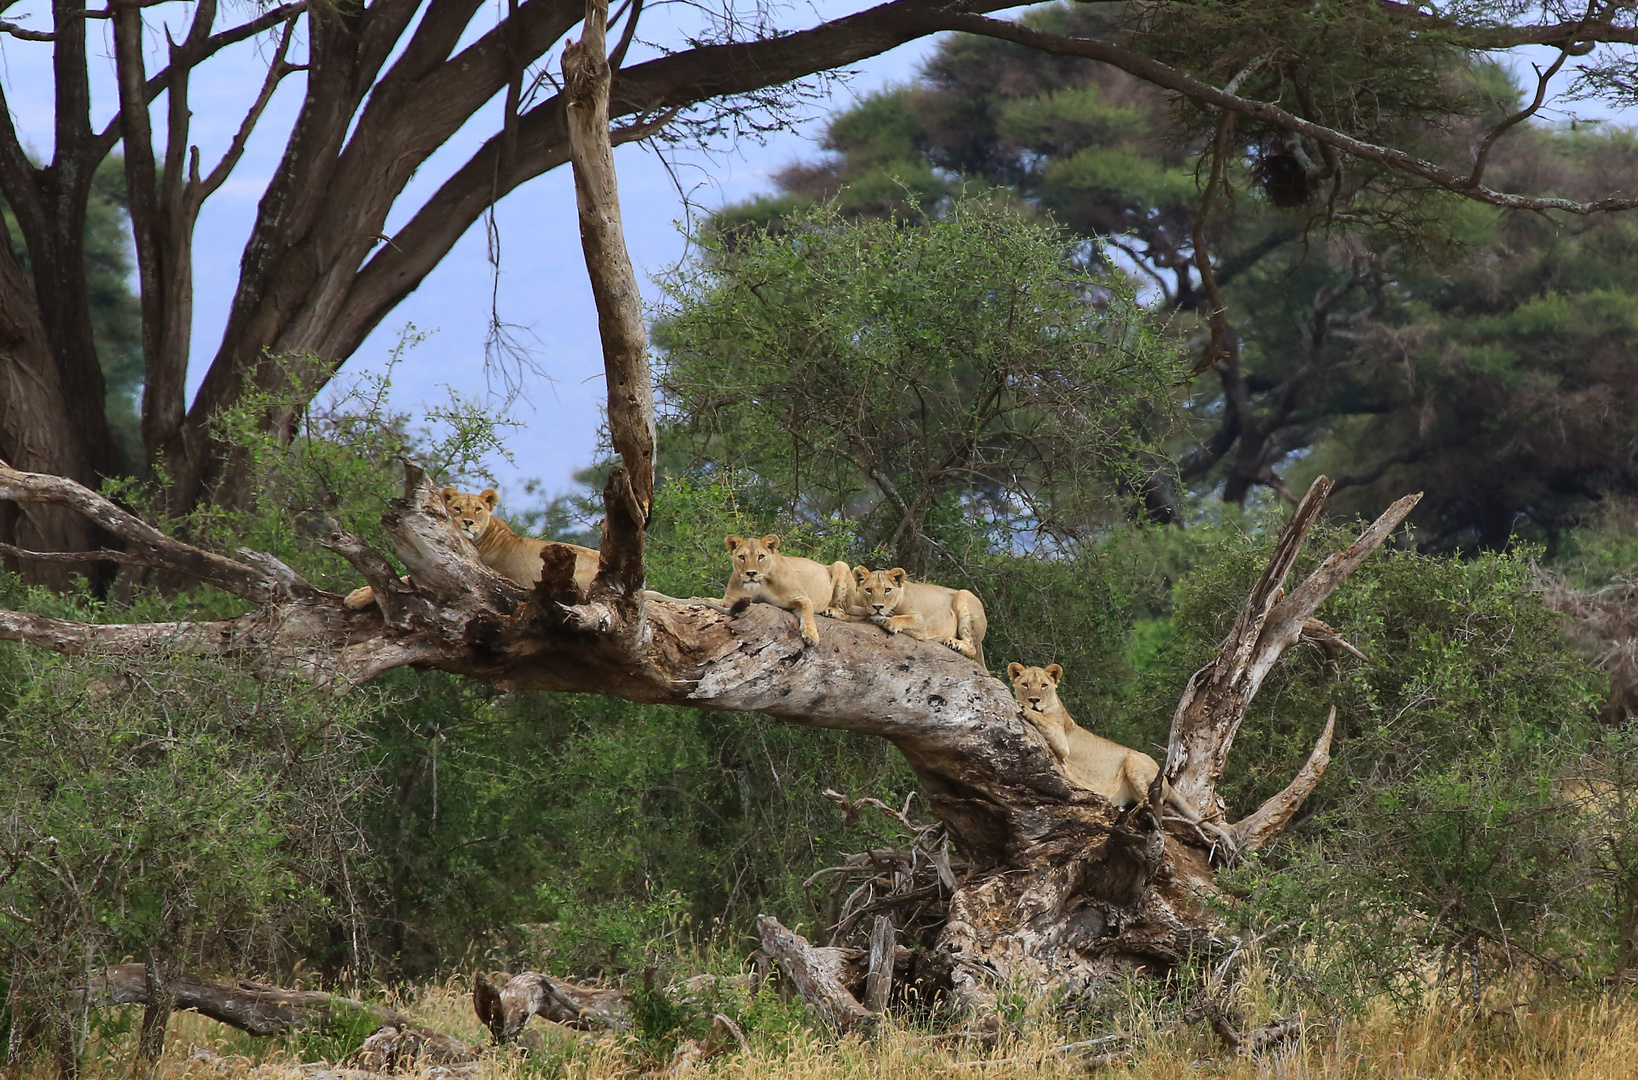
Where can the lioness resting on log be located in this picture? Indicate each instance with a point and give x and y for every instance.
(502, 550)
(764, 575)
(1118, 773)
(926, 612)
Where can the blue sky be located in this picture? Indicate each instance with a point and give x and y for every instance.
(542, 286)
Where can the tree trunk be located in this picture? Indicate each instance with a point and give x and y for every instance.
(255, 1008)
(36, 431)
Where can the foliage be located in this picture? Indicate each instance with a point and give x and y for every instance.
(181, 811)
(914, 378)
(1391, 336)
(1439, 826)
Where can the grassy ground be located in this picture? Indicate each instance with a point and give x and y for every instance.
(1565, 1039)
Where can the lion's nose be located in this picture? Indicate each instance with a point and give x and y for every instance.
(1034, 701)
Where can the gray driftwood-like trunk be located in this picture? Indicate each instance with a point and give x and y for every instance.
(1058, 887)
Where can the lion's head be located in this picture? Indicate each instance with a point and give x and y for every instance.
(752, 558)
(470, 512)
(879, 591)
(1036, 688)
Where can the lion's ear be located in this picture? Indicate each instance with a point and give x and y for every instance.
(771, 542)
(860, 573)
(897, 575)
(733, 540)
(490, 497)
(1055, 673)
(448, 493)
(1014, 670)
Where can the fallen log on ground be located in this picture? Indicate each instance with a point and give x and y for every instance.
(505, 1009)
(263, 1010)
(252, 1007)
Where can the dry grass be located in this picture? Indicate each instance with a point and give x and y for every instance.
(1564, 1040)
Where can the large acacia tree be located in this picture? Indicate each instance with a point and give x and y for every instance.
(1058, 886)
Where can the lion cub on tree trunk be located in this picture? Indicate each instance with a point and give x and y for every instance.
(502, 550)
(1118, 773)
(953, 617)
(764, 575)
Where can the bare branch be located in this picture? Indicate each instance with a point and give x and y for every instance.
(1214, 703)
(276, 71)
(241, 580)
(1163, 75)
(630, 495)
(1495, 133)
(23, 33)
(71, 638)
(1257, 828)
(76, 557)
(156, 84)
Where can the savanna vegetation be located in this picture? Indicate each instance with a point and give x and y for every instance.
(1040, 326)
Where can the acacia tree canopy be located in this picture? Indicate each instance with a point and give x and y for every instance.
(886, 372)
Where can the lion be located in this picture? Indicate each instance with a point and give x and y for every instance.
(502, 550)
(762, 574)
(917, 609)
(1118, 773)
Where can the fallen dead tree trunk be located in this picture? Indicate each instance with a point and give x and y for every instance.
(263, 1010)
(1056, 884)
(252, 1007)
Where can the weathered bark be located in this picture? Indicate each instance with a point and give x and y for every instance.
(879, 982)
(395, 1047)
(252, 1007)
(816, 975)
(35, 430)
(1209, 715)
(505, 1010)
(629, 499)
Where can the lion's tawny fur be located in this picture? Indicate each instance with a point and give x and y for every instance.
(1118, 773)
(919, 609)
(762, 574)
(502, 550)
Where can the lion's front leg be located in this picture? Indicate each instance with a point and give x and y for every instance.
(1052, 732)
(804, 614)
(912, 625)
